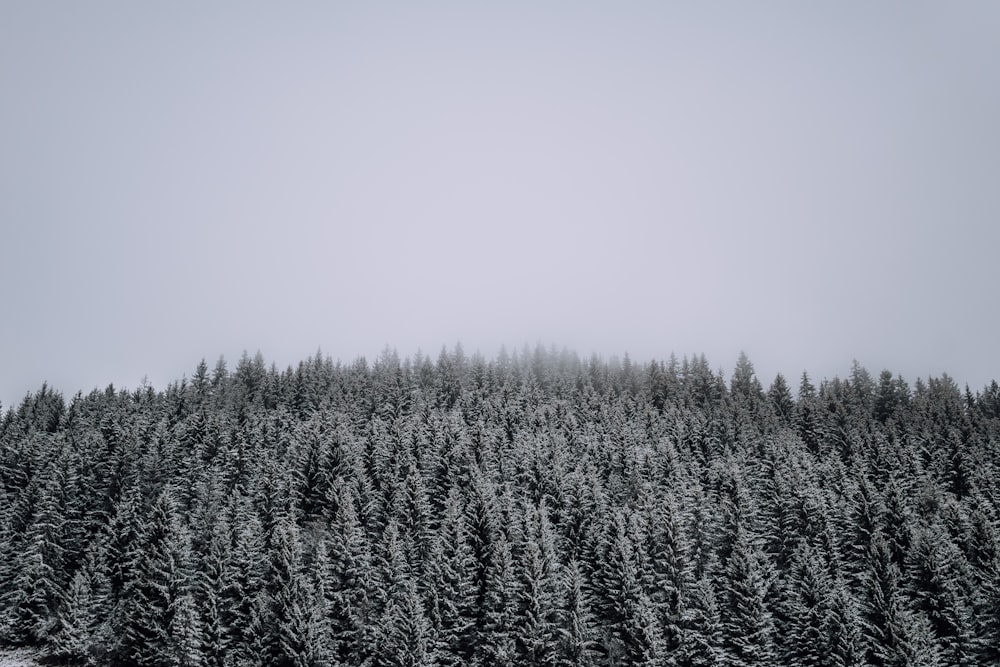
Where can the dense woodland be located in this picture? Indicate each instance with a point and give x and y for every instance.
(534, 509)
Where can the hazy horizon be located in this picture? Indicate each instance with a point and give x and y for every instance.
(810, 184)
(766, 376)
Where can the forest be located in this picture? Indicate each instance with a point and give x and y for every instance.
(531, 509)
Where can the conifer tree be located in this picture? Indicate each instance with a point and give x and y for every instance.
(349, 583)
(537, 623)
(529, 510)
(842, 629)
(893, 635)
(290, 638)
(577, 634)
(37, 580)
(76, 623)
(939, 575)
(702, 636)
(404, 637)
(450, 588)
(780, 397)
(185, 648)
(243, 581)
(81, 624)
(806, 420)
(809, 607)
(211, 594)
(632, 631)
(164, 574)
(495, 642)
(747, 623)
(664, 576)
(988, 615)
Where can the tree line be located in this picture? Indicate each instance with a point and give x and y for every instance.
(531, 509)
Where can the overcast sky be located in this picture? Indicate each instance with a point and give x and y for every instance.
(809, 182)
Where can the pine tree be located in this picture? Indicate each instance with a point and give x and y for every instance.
(312, 469)
(242, 585)
(806, 420)
(842, 629)
(37, 586)
(745, 386)
(664, 576)
(747, 624)
(577, 634)
(81, 625)
(149, 600)
(450, 589)
(781, 398)
(939, 576)
(495, 640)
(211, 589)
(819, 626)
(289, 639)
(531, 510)
(893, 635)
(348, 583)
(702, 636)
(76, 623)
(632, 631)
(185, 648)
(988, 615)
(536, 626)
(404, 637)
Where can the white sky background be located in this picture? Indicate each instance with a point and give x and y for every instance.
(808, 182)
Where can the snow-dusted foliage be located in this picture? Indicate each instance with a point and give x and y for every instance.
(535, 509)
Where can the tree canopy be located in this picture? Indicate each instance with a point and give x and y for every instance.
(533, 509)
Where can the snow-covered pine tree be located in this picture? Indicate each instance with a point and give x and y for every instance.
(939, 577)
(538, 589)
(702, 636)
(747, 624)
(450, 591)
(404, 637)
(289, 623)
(893, 635)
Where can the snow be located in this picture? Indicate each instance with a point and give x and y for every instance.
(20, 657)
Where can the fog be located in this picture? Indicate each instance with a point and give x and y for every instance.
(809, 183)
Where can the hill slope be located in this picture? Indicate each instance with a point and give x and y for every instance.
(534, 509)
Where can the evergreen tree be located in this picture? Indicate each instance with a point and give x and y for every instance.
(37, 586)
(537, 624)
(702, 636)
(81, 628)
(495, 642)
(348, 583)
(988, 616)
(450, 589)
(893, 635)
(842, 629)
(939, 577)
(404, 637)
(242, 587)
(288, 622)
(781, 398)
(807, 421)
(746, 620)
(211, 594)
(150, 599)
(631, 632)
(577, 634)
(665, 578)
(186, 639)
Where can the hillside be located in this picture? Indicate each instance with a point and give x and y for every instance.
(533, 509)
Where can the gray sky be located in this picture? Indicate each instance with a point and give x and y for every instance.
(809, 182)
